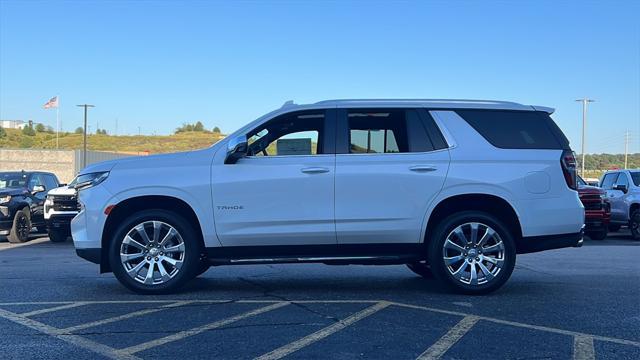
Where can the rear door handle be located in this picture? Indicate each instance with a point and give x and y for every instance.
(423, 168)
(314, 170)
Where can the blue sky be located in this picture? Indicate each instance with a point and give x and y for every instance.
(157, 64)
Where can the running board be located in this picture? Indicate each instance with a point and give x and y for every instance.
(338, 260)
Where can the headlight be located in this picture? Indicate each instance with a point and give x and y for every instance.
(5, 199)
(92, 179)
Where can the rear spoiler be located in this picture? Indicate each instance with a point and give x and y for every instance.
(548, 110)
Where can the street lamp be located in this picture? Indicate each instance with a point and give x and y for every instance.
(584, 102)
(84, 130)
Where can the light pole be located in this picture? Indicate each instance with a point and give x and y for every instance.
(584, 102)
(84, 130)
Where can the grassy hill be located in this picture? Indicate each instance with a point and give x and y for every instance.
(184, 141)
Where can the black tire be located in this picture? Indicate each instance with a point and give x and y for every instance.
(599, 234)
(41, 229)
(421, 268)
(21, 227)
(634, 225)
(203, 268)
(58, 236)
(614, 228)
(436, 253)
(190, 265)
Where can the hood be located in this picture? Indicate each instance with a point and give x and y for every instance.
(141, 162)
(13, 191)
(588, 189)
(62, 190)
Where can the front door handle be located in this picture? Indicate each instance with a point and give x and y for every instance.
(314, 170)
(423, 168)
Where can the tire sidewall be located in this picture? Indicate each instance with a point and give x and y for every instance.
(635, 218)
(189, 268)
(438, 267)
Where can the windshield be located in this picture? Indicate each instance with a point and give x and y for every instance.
(12, 180)
(635, 177)
(581, 182)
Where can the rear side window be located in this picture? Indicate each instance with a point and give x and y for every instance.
(516, 129)
(635, 177)
(377, 131)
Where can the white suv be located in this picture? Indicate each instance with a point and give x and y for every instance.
(453, 188)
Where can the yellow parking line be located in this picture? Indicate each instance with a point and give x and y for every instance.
(583, 348)
(52, 309)
(32, 242)
(122, 317)
(79, 341)
(449, 339)
(323, 333)
(183, 334)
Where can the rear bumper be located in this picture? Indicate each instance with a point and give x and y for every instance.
(532, 244)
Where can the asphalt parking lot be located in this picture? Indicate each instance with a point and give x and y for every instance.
(570, 303)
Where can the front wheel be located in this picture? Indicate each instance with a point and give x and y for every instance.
(472, 252)
(21, 228)
(634, 225)
(599, 234)
(154, 252)
(57, 236)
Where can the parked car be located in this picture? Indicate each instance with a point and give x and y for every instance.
(22, 195)
(60, 207)
(452, 188)
(596, 208)
(623, 192)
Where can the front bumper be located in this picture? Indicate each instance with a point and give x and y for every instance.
(6, 220)
(532, 244)
(60, 222)
(597, 219)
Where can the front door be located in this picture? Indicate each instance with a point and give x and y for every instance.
(393, 167)
(282, 193)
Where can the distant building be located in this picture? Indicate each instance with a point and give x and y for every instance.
(13, 124)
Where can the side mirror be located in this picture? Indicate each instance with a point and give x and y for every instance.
(621, 187)
(236, 149)
(38, 189)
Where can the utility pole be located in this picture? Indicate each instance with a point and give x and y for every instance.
(626, 147)
(584, 102)
(84, 141)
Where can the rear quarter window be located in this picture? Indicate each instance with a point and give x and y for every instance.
(516, 129)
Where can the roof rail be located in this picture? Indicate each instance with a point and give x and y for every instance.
(468, 101)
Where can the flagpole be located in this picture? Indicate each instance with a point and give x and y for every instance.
(57, 121)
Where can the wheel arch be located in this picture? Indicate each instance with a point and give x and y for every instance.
(633, 208)
(489, 203)
(131, 205)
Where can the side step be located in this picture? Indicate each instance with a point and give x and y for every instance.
(329, 260)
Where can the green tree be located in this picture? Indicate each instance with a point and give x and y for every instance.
(28, 130)
(198, 126)
(40, 128)
(79, 130)
(216, 130)
(2, 132)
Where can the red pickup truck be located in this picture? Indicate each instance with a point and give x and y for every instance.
(597, 210)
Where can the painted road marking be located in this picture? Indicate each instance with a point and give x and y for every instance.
(52, 309)
(449, 339)
(18, 245)
(323, 333)
(77, 340)
(123, 317)
(183, 334)
(583, 348)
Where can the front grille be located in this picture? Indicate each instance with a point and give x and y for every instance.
(65, 203)
(591, 201)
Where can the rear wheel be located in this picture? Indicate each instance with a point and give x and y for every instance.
(21, 228)
(57, 236)
(472, 252)
(634, 225)
(154, 252)
(421, 268)
(599, 234)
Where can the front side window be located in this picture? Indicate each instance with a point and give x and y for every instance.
(609, 180)
(622, 180)
(299, 133)
(372, 131)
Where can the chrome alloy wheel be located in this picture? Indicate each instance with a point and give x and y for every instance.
(152, 252)
(474, 253)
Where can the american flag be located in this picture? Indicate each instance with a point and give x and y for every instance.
(52, 104)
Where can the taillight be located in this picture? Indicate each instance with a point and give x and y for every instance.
(568, 164)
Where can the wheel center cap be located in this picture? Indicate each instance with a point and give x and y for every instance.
(154, 252)
(473, 252)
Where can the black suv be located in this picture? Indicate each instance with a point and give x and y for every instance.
(22, 196)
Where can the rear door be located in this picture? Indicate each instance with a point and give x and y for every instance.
(390, 164)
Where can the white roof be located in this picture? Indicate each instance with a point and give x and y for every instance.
(430, 103)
